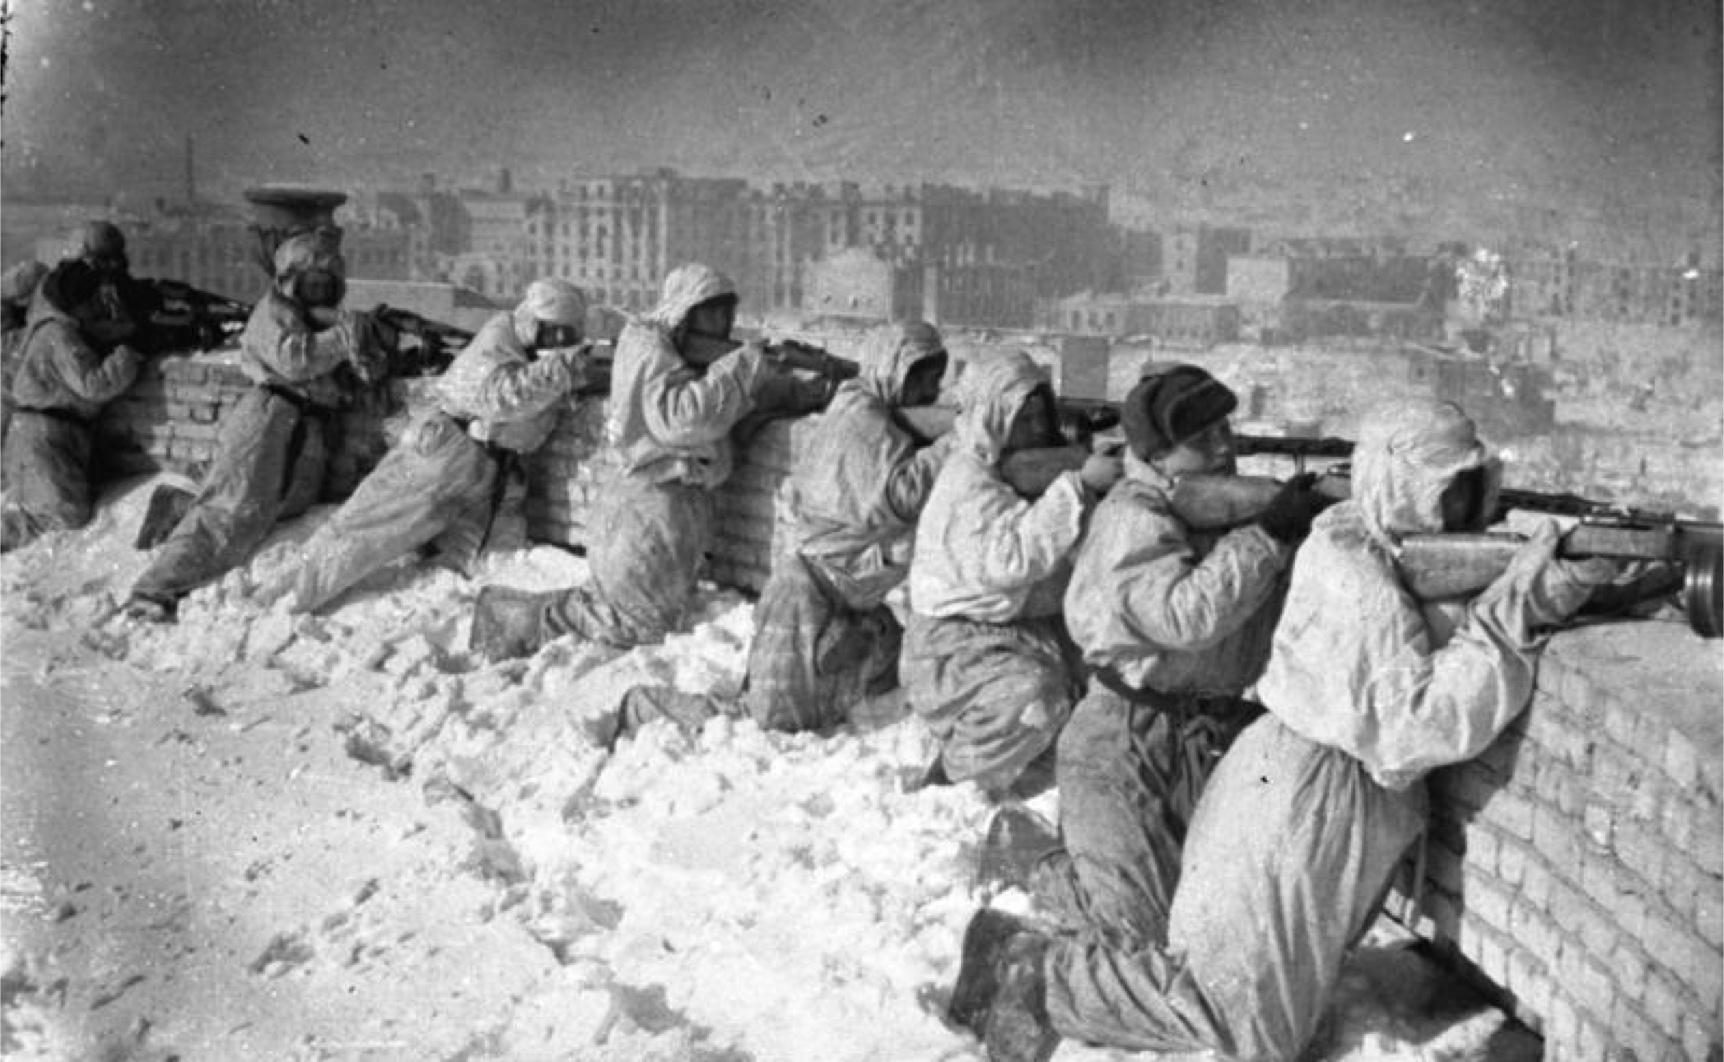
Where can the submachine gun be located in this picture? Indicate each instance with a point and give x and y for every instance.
(1685, 556)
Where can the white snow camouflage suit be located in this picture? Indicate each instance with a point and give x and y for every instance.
(271, 449)
(987, 661)
(823, 633)
(440, 483)
(669, 423)
(59, 387)
(1174, 624)
(1296, 836)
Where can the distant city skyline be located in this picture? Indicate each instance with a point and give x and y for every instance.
(1400, 111)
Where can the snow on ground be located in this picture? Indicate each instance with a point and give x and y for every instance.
(265, 836)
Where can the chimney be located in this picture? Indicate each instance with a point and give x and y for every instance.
(280, 211)
(191, 174)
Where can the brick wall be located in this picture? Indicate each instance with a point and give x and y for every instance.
(563, 476)
(1577, 865)
(170, 417)
(169, 420)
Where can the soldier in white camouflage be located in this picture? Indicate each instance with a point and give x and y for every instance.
(1301, 825)
(671, 414)
(64, 377)
(441, 486)
(306, 356)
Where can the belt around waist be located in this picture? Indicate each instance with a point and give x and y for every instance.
(1184, 701)
(296, 400)
(495, 449)
(64, 416)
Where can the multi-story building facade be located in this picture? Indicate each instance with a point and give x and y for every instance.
(1196, 257)
(616, 237)
(1140, 258)
(1190, 322)
(858, 284)
(1559, 283)
(971, 256)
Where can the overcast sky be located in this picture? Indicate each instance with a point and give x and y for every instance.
(1587, 101)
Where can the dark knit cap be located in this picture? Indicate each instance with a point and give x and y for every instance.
(1170, 405)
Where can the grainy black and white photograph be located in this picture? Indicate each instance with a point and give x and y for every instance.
(862, 530)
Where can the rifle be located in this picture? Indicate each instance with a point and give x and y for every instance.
(1080, 419)
(795, 354)
(1083, 418)
(1686, 555)
(702, 350)
(436, 346)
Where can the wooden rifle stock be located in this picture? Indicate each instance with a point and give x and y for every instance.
(1031, 472)
(1214, 503)
(1077, 424)
(1441, 566)
(702, 350)
(927, 423)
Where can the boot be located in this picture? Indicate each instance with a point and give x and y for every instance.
(168, 504)
(506, 623)
(152, 609)
(932, 775)
(1018, 840)
(978, 971)
(1017, 1028)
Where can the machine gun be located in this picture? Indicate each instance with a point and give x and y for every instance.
(192, 318)
(1685, 556)
(435, 343)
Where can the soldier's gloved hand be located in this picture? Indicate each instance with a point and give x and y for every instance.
(1287, 518)
(1538, 589)
(1101, 471)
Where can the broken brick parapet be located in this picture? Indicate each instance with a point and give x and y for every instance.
(170, 418)
(1578, 864)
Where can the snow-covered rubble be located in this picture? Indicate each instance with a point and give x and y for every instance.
(393, 850)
